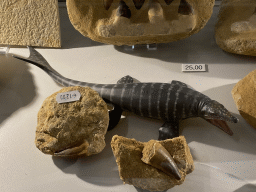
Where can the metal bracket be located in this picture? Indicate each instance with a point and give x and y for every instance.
(4, 50)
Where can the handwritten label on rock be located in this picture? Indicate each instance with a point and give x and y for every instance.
(68, 97)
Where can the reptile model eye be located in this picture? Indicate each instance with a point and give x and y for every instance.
(130, 22)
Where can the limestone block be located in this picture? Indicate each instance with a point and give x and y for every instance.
(235, 31)
(133, 171)
(30, 22)
(244, 94)
(75, 128)
(130, 22)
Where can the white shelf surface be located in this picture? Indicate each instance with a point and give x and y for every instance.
(222, 162)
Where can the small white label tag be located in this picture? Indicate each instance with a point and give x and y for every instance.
(193, 67)
(68, 97)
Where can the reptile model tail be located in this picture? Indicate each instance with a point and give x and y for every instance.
(38, 60)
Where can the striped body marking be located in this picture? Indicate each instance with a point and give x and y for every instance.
(170, 102)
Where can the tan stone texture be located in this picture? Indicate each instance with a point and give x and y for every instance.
(244, 94)
(79, 126)
(153, 23)
(235, 31)
(30, 23)
(149, 151)
(156, 155)
(133, 171)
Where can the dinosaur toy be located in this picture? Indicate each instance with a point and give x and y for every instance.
(170, 102)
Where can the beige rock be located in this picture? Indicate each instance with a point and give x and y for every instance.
(153, 22)
(133, 171)
(244, 94)
(72, 129)
(235, 31)
(30, 22)
(156, 155)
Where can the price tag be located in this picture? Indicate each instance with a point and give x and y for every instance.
(68, 97)
(193, 67)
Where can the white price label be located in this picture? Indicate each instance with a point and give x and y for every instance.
(193, 67)
(68, 97)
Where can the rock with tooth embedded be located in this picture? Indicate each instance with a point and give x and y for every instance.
(75, 128)
(130, 22)
(244, 94)
(235, 31)
(129, 156)
(156, 155)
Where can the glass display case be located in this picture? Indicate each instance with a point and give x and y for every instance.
(222, 162)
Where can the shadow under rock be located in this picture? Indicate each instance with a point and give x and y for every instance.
(197, 129)
(143, 190)
(70, 37)
(16, 86)
(100, 169)
(199, 48)
(247, 188)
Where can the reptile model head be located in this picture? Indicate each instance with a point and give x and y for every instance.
(216, 114)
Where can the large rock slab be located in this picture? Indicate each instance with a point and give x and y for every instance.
(130, 22)
(133, 171)
(72, 129)
(244, 94)
(30, 23)
(235, 31)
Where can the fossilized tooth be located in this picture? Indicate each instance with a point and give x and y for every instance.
(168, 2)
(155, 9)
(157, 156)
(74, 151)
(138, 3)
(185, 8)
(123, 10)
(254, 11)
(107, 3)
